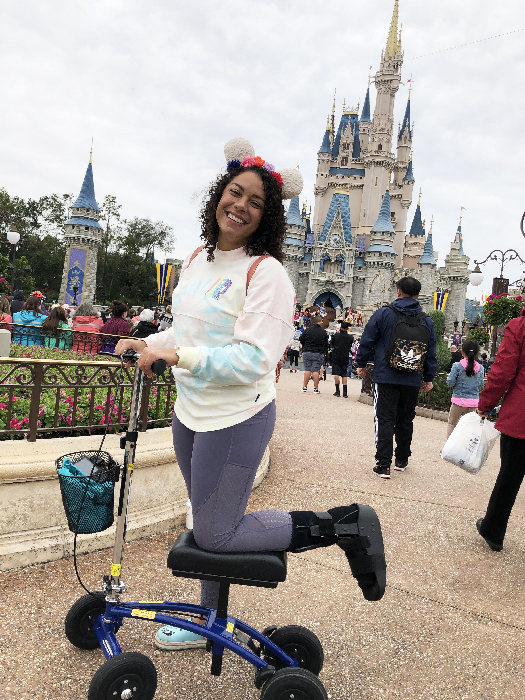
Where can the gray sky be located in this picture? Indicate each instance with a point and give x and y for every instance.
(162, 85)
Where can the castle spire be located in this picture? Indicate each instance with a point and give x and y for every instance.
(86, 198)
(365, 114)
(406, 122)
(393, 43)
(384, 220)
(428, 252)
(293, 216)
(326, 146)
(417, 225)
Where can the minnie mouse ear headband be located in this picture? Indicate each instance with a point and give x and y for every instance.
(240, 153)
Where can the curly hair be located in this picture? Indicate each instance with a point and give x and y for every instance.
(269, 236)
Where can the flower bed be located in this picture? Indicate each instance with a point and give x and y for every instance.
(76, 395)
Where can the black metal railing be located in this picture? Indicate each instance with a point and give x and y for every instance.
(54, 397)
(65, 339)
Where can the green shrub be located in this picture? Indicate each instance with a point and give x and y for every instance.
(443, 354)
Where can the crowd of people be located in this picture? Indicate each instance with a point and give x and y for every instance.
(31, 323)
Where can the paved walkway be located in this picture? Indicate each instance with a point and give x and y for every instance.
(451, 625)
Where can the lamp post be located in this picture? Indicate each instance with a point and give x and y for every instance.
(101, 296)
(500, 285)
(75, 292)
(13, 237)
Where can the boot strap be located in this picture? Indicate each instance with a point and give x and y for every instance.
(324, 527)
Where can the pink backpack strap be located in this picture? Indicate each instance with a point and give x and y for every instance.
(194, 255)
(251, 271)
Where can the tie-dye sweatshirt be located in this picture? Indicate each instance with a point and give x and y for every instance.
(229, 340)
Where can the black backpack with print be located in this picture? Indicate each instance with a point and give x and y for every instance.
(409, 342)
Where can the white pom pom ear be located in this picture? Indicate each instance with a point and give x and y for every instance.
(238, 149)
(292, 182)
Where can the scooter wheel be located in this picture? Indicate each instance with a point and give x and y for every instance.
(299, 643)
(128, 675)
(293, 684)
(80, 618)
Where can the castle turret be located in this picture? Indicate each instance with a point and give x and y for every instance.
(455, 277)
(414, 240)
(427, 274)
(404, 146)
(380, 257)
(293, 247)
(82, 236)
(379, 158)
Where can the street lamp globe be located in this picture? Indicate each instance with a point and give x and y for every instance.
(476, 277)
(13, 236)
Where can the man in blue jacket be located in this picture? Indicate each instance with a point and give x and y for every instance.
(395, 391)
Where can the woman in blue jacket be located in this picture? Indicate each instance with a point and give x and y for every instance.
(29, 316)
(466, 376)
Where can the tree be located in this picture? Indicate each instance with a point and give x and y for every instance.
(443, 354)
(110, 213)
(142, 236)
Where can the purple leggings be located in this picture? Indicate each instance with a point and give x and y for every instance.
(219, 468)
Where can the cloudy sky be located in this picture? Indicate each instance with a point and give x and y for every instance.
(161, 85)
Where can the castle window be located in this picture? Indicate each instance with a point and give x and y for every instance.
(345, 147)
(86, 228)
(344, 161)
(380, 147)
(376, 181)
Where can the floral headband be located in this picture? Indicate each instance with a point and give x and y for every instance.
(240, 153)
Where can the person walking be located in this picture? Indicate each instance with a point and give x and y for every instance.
(314, 341)
(401, 370)
(294, 348)
(506, 378)
(341, 343)
(233, 318)
(466, 376)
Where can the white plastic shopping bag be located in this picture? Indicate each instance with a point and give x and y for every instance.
(470, 443)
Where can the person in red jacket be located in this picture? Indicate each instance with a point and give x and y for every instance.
(507, 374)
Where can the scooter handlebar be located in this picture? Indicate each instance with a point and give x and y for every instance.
(159, 367)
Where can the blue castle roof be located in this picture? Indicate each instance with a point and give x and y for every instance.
(81, 221)
(406, 122)
(293, 241)
(86, 198)
(340, 201)
(409, 175)
(384, 220)
(325, 146)
(342, 127)
(428, 253)
(417, 225)
(356, 147)
(293, 217)
(358, 172)
(307, 257)
(359, 261)
(472, 309)
(365, 114)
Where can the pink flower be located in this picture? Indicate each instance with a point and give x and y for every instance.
(3, 405)
(490, 301)
(519, 298)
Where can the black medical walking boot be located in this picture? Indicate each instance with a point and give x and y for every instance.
(345, 391)
(337, 392)
(356, 529)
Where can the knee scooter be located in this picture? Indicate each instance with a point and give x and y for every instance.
(287, 659)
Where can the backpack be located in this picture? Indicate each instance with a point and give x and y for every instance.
(408, 344)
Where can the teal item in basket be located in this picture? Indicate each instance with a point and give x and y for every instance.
(96, 499)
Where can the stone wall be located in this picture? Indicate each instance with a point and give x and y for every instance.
(33, 526)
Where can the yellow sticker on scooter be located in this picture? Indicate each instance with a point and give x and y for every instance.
(148, 614)
(116, 569)
(230, 627)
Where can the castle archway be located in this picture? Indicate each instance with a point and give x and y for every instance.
(324, 296)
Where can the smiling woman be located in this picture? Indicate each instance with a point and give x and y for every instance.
(232, 320)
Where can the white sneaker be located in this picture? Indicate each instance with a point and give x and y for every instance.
(304, 389)
(316, 391)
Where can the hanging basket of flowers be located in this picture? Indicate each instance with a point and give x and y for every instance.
(500, 308)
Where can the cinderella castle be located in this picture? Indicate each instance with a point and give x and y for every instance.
(357, 246)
